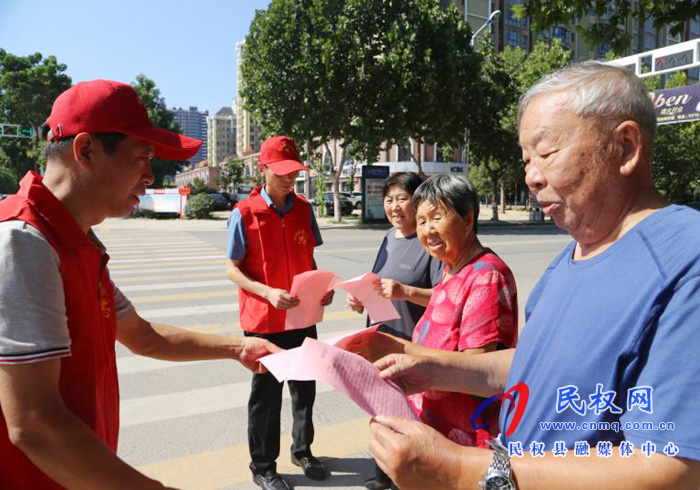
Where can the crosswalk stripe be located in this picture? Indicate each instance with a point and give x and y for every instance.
(222, 468)
(189, 310)
(180, 404)
(115, 242)
(128, 279)
(202, 256)
(160, 252)
(327, 317)
(174, 285)
(140, 300)
(122, 270)
(167, 265)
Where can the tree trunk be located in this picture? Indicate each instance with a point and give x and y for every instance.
(494, 191)
(337, 215)
(418, 161)
(503, 198)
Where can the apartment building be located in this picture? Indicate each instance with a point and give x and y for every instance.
(193, 123)
(221, 136)
(247, 131)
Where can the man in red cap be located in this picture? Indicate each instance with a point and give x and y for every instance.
(60, 314)
(272, 236)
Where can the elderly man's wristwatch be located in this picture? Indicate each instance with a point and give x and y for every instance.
(498, 476)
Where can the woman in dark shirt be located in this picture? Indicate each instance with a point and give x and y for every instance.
(408, 273)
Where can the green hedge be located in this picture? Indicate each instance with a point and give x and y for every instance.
(199, 206)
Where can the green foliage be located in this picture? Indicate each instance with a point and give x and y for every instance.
(198, 186)
(613, 17)
(28, 87)
(505, 76)
(362, 72)
(199, 206)
(230, 173)
(481, 180)
(8, 181)
(161, 117)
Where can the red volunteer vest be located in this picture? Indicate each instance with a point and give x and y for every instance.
(88, 380)
(277, 249)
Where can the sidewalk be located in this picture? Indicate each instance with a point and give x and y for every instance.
(512, 217)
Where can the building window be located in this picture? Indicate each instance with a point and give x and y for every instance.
(441, 153)
(649, 24)
(327, 160)
(405, 152)
(510, 18)
(695, 28)
(512, 37)
(650, 41)
(560, 32)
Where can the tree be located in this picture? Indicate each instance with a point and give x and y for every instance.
(28, 87)
(230, 174)
(505, 76)
(161, 117)
(362, 72)
(611, 29)
(8, 181)
(676, 161)
(198, 186)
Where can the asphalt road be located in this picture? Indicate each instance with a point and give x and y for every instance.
(185, 423)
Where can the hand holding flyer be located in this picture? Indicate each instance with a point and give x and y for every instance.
(379, 308)
(347, 372)
(309, 287)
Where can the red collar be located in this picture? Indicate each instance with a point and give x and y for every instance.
(63, 224)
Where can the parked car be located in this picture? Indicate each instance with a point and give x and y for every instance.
(230, 198)
(311, 201)
(243, 192)
(355, 198)
(346, 206)
(220, 202)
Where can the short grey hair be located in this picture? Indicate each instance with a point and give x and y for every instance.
(606, 94)
(456, 193)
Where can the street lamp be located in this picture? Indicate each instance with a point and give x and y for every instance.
(488, 23)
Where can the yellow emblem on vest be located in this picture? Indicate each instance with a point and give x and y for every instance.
(104, 302)
(301, 238)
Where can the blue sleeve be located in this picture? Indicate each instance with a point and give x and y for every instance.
(236, 248)
(436, 271)
(672, 370)
(314, 229)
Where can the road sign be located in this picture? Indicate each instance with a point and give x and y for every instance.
(669, 59)
(15, 131)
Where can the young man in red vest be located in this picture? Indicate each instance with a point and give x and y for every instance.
(60, 314)
(272, 236)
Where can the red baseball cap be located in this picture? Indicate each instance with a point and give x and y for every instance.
(280, 155)
(104, 106)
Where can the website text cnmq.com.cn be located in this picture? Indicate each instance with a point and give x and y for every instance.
(568, 398)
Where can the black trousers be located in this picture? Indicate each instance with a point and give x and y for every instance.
(265, 404)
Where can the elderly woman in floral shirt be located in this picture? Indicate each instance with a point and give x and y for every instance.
(471, 311)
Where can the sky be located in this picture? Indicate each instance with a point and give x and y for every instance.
(187, 47)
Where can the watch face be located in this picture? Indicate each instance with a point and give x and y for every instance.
(499, 483)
